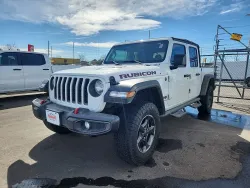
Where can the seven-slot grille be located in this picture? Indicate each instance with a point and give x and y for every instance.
(71, 89)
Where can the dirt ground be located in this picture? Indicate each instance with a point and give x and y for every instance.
(190, 153)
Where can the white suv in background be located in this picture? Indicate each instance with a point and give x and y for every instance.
(23, 71)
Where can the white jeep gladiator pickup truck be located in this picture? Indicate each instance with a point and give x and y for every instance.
(137, 83)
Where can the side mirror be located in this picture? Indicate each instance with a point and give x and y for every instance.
(177, 61)
(172, 67)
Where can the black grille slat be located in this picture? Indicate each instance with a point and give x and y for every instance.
(55, 90)
(63, 88)
(59, 88)
(74, 90)
(85, 97)
(68, 89)
(79, 91)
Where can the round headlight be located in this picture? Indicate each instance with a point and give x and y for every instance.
(99, 87)
(96, 88)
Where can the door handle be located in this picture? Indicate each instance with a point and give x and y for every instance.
(187, 75)
(197, 74)
(45, 69)
(17, 69)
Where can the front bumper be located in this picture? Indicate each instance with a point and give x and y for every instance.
(100, 123)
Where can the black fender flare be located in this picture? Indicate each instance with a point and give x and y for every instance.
(133, 86)
(205, 83)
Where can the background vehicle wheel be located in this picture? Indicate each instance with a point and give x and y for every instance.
(56, 129)
(248, 82)
(138, 133)
(207, 101)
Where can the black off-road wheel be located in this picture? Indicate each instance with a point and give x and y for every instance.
(248, 82)
(138, 133)
(207, 102)
(56, 129)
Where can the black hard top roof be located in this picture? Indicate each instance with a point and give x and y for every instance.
(185, 41)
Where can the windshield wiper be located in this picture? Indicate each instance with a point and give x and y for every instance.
(137, 61)
(116, 63)
(134, 61)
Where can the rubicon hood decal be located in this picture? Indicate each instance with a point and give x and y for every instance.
(121, 72)
(136, 74)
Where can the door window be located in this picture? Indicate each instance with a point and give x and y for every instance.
(8, 59)
(29, 59)
(193, 55)
(178, 57)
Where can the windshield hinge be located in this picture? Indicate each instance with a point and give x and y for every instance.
(167, 97)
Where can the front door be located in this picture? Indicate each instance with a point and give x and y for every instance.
(179, 77)
(11, 73)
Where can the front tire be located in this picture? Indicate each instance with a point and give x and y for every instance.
(56, 129)
(138, 133)
(207, 101)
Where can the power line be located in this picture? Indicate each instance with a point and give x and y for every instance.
(237, 26)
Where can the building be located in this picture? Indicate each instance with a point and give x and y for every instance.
(64, 61)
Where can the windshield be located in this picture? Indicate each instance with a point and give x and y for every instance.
(144, 52)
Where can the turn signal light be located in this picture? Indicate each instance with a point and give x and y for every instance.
(122, 94)
(130, 94)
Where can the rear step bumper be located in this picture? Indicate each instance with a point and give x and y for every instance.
(100, 123)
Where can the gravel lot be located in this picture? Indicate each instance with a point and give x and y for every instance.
(190, 153)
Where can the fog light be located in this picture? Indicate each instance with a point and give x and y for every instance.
(87, 125)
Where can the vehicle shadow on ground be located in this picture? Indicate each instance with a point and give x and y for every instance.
(18, 101)
(67, 154)
(75, 155)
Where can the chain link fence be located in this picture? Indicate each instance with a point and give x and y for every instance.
(232, 71)
(232, 76)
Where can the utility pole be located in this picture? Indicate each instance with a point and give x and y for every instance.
(149, 34)
(51, 51)
(48, 47)
(73, 51)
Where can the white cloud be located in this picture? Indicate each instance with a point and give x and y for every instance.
(92, 16)
(91, 44)
(44, 50)
(235, 7)
(229, 11)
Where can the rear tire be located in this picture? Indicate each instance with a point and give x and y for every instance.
(248, 82)
(207, 101)
(56, 129)
(138, 133)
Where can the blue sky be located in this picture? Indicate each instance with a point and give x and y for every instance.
(95, 26)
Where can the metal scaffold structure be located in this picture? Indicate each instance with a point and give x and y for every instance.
(231, 65)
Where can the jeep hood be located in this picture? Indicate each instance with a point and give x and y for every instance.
(120, 72)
